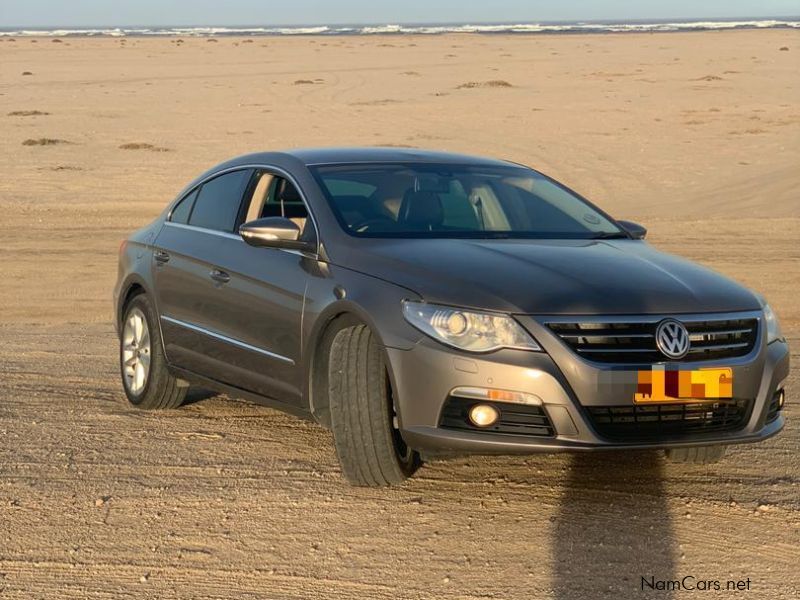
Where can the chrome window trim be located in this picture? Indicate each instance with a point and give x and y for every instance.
(230, 236)
(278, 171)
(227, 339)
(224, 234)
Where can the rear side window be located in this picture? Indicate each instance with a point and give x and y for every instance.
(181, 212)
(217, 204)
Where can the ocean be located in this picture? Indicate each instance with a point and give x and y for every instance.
(653, 26)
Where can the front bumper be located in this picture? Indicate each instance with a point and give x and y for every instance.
(424, 376)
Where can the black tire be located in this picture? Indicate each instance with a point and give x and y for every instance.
(701, 455)
(161, 389)
(370, 449)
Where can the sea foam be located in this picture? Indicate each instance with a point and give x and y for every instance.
(422, 29)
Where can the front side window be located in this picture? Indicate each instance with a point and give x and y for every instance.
(218, 201)
(430, 200)
(276, 196)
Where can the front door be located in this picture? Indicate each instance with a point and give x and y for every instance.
(265, 297)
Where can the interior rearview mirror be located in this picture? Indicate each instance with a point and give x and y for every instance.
(636, 231)
(273, 232)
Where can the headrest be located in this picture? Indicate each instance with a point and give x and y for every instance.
(287, 192)
(421, 210)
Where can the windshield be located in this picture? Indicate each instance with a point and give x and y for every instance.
(453, 201)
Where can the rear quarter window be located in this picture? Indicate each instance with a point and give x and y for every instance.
(182, 210)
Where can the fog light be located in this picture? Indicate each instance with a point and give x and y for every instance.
(483, 415)
(781, 398)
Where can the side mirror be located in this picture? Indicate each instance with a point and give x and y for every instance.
(273, 232)
(636, 231)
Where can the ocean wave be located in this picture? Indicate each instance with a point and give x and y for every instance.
(391, 29)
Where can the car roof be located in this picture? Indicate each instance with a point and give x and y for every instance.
(318, 156)
(289, 159)
(333, 156)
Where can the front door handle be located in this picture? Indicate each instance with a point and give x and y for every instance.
(219, 276)
(161, 257)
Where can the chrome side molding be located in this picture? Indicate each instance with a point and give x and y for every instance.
(227, 339)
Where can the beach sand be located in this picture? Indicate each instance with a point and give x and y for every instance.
(695, 135)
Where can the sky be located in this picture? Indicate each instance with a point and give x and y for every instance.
(68, 13)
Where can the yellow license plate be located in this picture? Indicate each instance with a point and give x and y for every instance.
(659, 384)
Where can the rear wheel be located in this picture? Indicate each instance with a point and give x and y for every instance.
(368, 443)
(701, 455)
(147, 382)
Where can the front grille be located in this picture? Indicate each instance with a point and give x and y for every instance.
(649, 421)
(517, 419)
(634, 342)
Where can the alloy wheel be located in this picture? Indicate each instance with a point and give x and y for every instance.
(136, 351)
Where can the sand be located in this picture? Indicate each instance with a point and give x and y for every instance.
(697, 136)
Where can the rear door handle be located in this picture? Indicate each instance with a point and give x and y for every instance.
(161, 257)
(219, 276)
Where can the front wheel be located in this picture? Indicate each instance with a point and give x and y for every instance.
(702, 455)
(369, 446)
(147, 382)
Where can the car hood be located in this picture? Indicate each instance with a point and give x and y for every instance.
(550, 276)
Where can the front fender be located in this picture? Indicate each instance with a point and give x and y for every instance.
(373, 301)
(336, 292)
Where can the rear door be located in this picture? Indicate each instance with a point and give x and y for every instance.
(231, 311)
(188, 282)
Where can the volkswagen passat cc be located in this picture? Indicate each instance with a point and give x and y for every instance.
(422, 304)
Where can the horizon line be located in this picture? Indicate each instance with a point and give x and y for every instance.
(417, 23)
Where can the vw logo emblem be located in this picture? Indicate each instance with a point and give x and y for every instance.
(672, 338)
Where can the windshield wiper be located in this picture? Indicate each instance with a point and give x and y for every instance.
(611, 235)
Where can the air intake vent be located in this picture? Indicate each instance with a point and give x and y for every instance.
(653, 421)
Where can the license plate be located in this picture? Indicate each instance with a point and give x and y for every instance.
(660, 384)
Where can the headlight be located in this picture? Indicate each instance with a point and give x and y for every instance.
(773, 327)
(467, 330)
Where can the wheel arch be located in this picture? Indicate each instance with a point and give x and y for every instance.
(134, 289)
(133, 286)
(336, 317)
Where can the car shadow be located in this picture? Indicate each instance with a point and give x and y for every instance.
(613, 528)
(197, 394)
